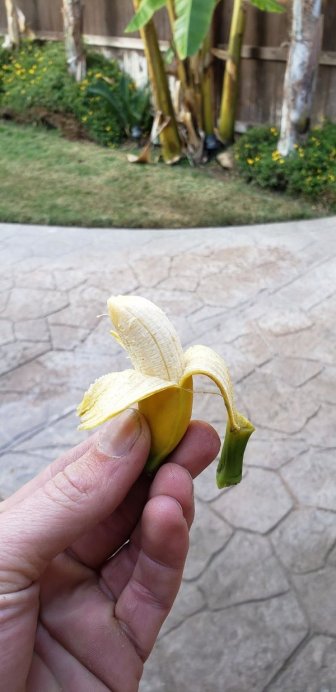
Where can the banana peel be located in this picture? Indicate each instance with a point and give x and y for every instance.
(161, 383)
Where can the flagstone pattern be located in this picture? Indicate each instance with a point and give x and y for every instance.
(256, 611)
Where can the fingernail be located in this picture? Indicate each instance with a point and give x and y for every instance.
(119, 435)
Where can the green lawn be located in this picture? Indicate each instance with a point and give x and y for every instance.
(45, 179)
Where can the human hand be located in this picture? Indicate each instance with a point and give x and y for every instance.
(71, 617)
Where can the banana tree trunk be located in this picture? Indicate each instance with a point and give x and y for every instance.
(169, 137)
(232, 71)
(73, 13)
(301, 72)
(187, 70)
(13, 36)
(208, 86)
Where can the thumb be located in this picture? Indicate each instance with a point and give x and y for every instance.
(72, 502)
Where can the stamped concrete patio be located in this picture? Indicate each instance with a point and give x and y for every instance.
(257, 610)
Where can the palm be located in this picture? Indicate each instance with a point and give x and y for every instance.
(79, 633)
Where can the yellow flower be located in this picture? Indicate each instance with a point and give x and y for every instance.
(276, 155)
(250, 162)
(162, 385)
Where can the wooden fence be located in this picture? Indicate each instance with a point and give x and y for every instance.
(264, 51)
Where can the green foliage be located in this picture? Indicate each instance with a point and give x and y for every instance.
(268, 5)
(130, 106)
(144, 14)
(36, 77)
(310, 170)
(193, 20)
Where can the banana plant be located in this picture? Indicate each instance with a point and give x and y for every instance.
(191, 22)
(193, 19)
(229, 100)
(169, 136)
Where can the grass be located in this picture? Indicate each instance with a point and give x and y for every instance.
(45, 179)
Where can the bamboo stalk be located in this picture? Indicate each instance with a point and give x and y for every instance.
(232, 71)
(169, 137)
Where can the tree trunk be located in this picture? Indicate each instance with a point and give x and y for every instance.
(73, 29)
(208, 90)
(300, 77)
(232, 72)
(169, 137)
(13, 37)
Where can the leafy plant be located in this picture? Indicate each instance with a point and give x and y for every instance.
(191, 24)
(310, 170)
(35, 81)
(129, 105)
(192, 20)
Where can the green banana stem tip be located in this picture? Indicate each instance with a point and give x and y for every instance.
(230, 467)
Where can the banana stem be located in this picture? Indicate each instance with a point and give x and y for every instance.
(230, 467)
(181, 71)
(232, 70)
(208, 86)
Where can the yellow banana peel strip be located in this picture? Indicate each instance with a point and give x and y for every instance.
(161, 383)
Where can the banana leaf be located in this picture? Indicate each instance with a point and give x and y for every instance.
(268, 5)
(144, 14)
(193, 20)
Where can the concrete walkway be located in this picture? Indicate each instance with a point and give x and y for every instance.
(257, 610)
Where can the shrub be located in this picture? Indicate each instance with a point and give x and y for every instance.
(310, 170)
(36, 77)
(130, 106)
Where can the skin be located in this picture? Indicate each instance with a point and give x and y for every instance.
(71, 616)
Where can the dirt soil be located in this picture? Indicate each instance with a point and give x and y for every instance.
(65, 122)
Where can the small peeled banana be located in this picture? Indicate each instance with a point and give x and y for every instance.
(162, 385)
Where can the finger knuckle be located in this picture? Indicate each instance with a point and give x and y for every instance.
(67, 489)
